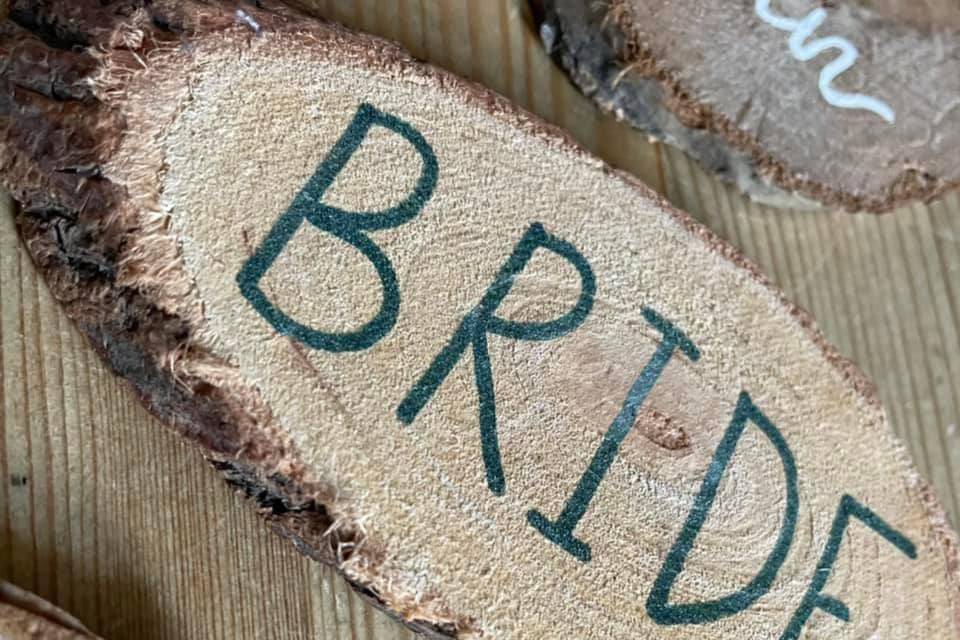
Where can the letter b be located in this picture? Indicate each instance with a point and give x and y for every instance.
(349, 226)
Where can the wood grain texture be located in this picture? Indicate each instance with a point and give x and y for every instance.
(107, 514)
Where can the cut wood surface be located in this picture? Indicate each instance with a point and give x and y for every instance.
(852, 103)
(155, 568)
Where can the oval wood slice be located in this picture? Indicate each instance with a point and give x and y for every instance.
(506, 390)
(851, 103)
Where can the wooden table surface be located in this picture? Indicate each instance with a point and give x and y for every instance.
(106, 513)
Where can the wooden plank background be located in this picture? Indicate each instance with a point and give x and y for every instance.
(109, 515)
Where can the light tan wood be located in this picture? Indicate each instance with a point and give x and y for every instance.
(864, 278)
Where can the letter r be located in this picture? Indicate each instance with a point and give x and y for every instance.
(481, 321)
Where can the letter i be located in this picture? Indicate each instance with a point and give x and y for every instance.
(560, 531)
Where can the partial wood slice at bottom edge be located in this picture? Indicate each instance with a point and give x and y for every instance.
(25, 616)
(722, 82)
(190, 207)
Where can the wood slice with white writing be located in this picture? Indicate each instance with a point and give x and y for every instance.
(851, 103)
(508, 391)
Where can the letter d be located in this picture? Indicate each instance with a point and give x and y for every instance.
(658, 605)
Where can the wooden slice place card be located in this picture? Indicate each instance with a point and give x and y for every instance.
(851, 103)
(507, 390)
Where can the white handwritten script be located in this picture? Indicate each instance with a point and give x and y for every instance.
(800, 30)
